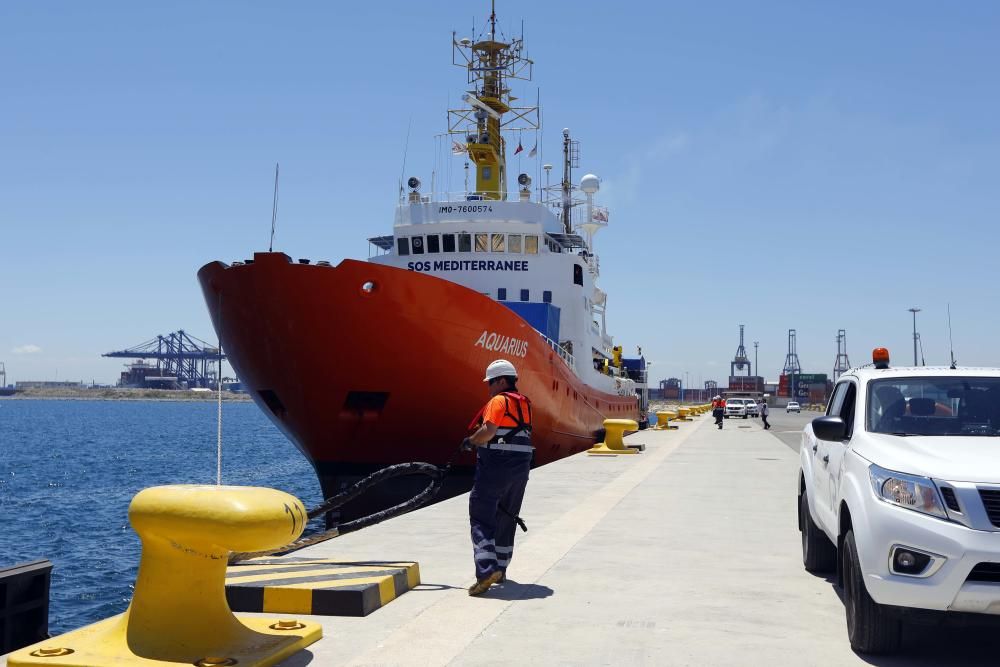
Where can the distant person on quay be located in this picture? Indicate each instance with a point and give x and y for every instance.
(764, 412)
(718, 410)
(502, 441)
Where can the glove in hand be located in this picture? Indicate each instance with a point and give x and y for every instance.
(467, 445)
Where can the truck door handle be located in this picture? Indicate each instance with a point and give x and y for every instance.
(826, 459)
(814, 448)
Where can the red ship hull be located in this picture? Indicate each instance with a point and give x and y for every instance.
(359, 379)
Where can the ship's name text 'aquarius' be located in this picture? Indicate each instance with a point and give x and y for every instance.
(503, 344)
(469, 265)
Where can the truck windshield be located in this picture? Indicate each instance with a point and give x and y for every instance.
(934, 406)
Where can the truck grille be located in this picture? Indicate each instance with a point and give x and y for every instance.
(991, 499)
(986, 572)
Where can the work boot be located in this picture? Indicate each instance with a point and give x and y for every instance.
(483, 585)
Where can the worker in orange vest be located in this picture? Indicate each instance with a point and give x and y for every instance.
(718, 409)
(502, 440)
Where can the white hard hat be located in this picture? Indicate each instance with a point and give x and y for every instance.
(499, 368)
(717, 397)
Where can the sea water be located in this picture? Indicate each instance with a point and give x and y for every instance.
(69, 468)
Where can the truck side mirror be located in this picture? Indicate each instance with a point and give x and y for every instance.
(829, 428)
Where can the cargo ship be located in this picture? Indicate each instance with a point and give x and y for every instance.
(371, 363)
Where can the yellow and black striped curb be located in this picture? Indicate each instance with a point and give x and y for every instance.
(317, 586)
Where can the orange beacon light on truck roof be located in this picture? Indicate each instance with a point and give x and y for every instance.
(880, 356)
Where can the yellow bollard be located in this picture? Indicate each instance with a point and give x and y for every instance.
(682, 414)
(663, 420)
(179, 613)
(614, 433)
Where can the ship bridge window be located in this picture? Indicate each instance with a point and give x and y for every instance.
(496, 242)
(525, 295)
(531, 245)
(403, 246)
(547, 296)
(577, 275)
(501, 294)
(482, 242)
(448, 242)
(418, 245)
(513, 243)
(433, 243)
(465, 242)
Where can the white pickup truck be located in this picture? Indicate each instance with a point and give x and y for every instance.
(736, 407)
(899, 494)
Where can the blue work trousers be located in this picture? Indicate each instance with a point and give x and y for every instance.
(501, 478)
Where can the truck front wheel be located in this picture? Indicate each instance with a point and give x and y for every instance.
(870, 627)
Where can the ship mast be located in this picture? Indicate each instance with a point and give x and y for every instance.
(490, 61)
(571, 158)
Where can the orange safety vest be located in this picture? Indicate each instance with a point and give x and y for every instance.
(514, 430)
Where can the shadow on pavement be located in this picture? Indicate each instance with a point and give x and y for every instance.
(300, 659)
(937, 645)
(933, 645)
(432, 587)
(515, 591)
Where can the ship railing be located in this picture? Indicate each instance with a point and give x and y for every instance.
(599, 215)
(577, 213)
(561, 351)
(459, 196)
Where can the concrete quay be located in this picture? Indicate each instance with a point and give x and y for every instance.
(685, 554)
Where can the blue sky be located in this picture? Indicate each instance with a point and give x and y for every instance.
(807, 165)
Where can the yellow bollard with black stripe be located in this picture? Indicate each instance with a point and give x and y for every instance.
(179, 613)
(319, 586)
(663, 420)
(682, 414)
(614, 437)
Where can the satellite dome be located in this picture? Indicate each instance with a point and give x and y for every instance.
(590, 184)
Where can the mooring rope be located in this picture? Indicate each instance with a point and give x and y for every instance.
(437, 475)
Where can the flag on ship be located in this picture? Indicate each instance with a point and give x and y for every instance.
(600, 215)
(534, 151)
(457, 148)
(519, 147)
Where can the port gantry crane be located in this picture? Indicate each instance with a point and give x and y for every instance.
(842, 364)
(741, 359)
(179, 355)
(792, 365)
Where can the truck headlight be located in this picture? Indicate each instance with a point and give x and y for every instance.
(910, 491)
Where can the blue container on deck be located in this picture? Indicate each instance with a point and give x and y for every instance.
(544, 317)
